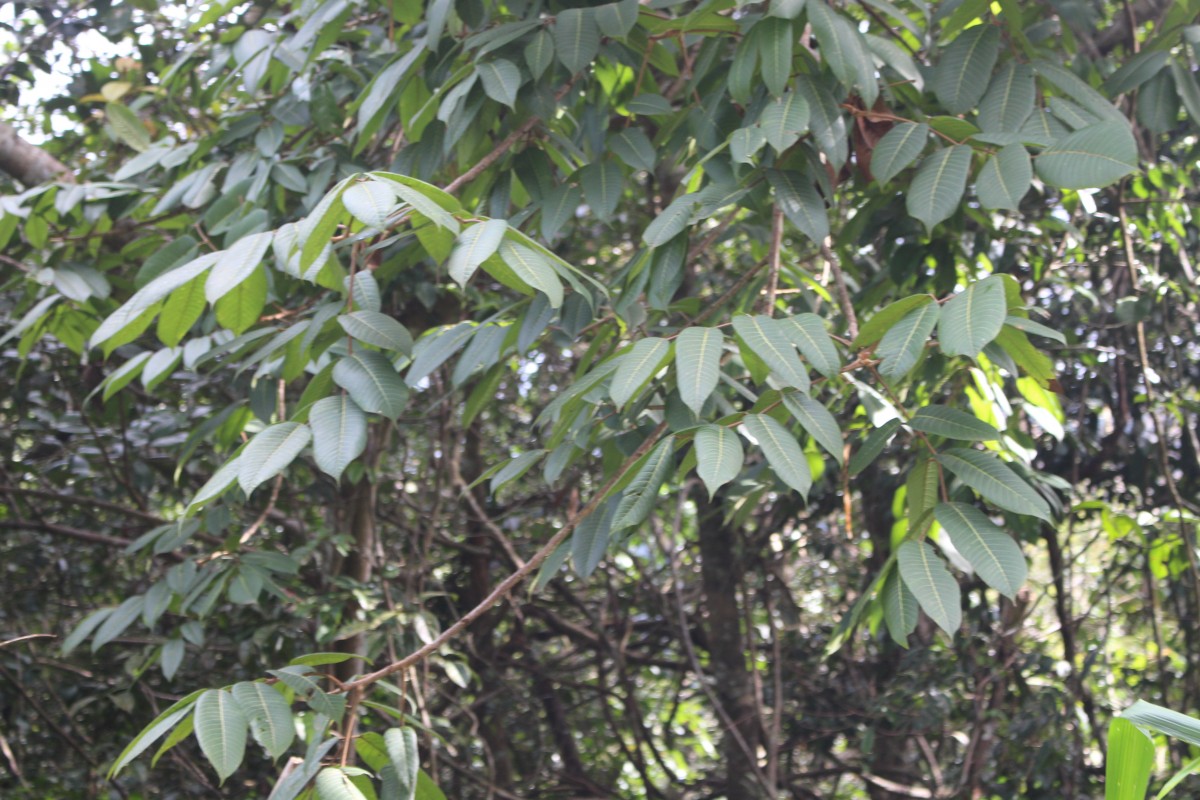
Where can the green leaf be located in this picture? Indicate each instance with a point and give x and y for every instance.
(719, 456)
(1005, 178)
(576, 38)
(1186, 87)
(1164, 720)
(602, 183)
(116, 622)
(991, 551)
(434, 348)
(807, 332)
(642, 492)
(671, 222)
(903, 344)
(963, 74)
(236, 264)
(372, 382)
(370, 202)
(938, 185)
(952, 423)
(539, 53)
(617, 19)
(972, 318)
(334, 784)
(1090, 157)
(378, 329)
(932, 584)
(339, 430)
(1136, 71)
(221, 730)
(501, 80)
(817, 420)
(774, 38)
(534, 269)
(995, 481)
(402, 751)
(180, 312)
(698, 364)
(744, 144)
(1009, 99)
(784, 119)
(1158, 103)
(148, 295)
(590, 540)
(782, 451)
(874, 328)
(1035, 328)
(514, 469)
(157, 728)
(1079, 90)
(1129, 761)
(270, 452)
(799, 200)
(898, 148)
(128, 128)
(269, 714)
(637, 366)
(921, 495)
(843, 49)
(634, 148)
(1187, 769)
(900, 609)
(239, 309)
(765, 338)
(873, 446)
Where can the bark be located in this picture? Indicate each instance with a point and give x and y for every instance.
(359, 505)
(721, 572)
(27, 163)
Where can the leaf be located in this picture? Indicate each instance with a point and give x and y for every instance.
(148, 295)
(370, 202)
(372, 382)
(157, 728)
(239, 309)
(236, 264)
(843, 49)
(1090, 157)
(1009, 99)
(874, 328)
(576, 38)
(800, 202)
(434, 348)
(514, 469)
(782, 451)
(1164, 720)
(765, 338)
(873, 446)
(634, 148)
(402, 751)
(938, 185)
(921, 495)
(898, 148)
(904, 342)
(602, 184)
(992, 552)
(1005, 178)
(378, 329)
(698, 364)
(744, 144)
(539, 53)
(269, 715)
(932, 584)
(334, 784)
(118, 620)
(1035, 328)
(640, 495)
(972, 318)
(1079, 90)
(995, 481)
(784, 119)
(817, 420)
(221, 480)
(270, 452)
(774, 39)
(808, 333)
(963, 74)
(180, 312)
(339, 431)
(1129, 761)
(900, 609)
(221, 730)
(589, 542)
(952, 423)
(671, 222)
(617, 19)
(534, 269)
(719, 456)
(127, 126)
(501, 80)
(637, 366)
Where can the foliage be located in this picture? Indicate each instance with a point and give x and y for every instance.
(742, 332)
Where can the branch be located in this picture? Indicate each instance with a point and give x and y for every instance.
(28, 163)
(513, 580)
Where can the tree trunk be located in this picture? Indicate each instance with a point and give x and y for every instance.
(28, 164)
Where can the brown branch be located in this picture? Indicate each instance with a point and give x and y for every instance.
(29, 164)
(773, 262)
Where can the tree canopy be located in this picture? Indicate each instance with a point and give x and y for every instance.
(668, 399)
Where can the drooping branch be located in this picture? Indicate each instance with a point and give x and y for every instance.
(27, 163)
